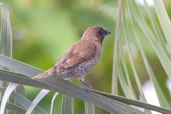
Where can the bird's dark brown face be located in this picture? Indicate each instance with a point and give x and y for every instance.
(102, 33)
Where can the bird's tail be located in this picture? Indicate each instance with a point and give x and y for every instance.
(42, 75)
(46, 74)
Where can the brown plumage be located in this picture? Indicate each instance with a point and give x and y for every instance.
(80, 58)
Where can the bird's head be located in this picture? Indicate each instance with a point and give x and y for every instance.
(95, 33)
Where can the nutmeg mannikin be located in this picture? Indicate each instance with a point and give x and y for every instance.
(80, 59)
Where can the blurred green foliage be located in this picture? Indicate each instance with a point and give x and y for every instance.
(44, 29)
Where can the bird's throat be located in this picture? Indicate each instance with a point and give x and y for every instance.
(102, 39)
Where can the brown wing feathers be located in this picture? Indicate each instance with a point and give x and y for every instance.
(78, 55)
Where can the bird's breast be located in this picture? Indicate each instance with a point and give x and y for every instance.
(85, 67)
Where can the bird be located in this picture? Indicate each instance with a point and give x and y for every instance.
(80, 58)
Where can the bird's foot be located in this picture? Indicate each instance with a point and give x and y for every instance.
(87, 86)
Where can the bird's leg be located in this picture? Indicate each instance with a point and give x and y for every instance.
(87, 86)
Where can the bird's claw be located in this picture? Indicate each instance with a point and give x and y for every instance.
(87, 86)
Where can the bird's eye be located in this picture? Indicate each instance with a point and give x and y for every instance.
(101, 32)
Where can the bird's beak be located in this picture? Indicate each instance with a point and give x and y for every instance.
(106, 32)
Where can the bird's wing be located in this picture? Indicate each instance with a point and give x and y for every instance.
(77, 55)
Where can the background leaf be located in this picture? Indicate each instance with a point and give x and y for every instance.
(37, 99)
